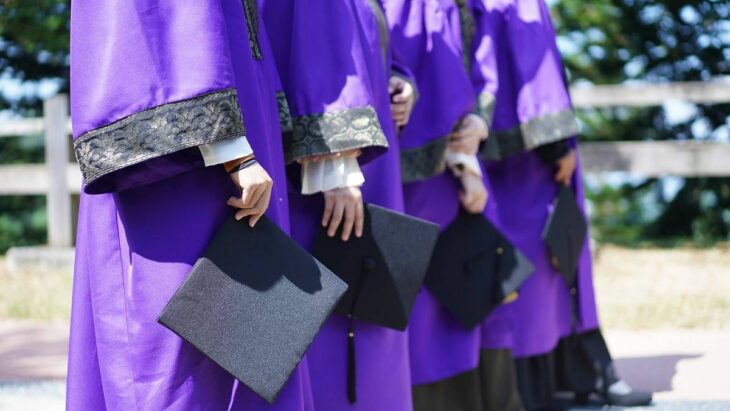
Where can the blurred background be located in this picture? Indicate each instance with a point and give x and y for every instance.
(648, 79)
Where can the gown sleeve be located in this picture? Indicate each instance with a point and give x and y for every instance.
(425, 36)
(480, 54)
(399, 68)
(331, 101)
(151, 82)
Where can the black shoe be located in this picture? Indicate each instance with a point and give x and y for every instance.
(617, 392)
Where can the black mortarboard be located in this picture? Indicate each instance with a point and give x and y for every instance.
(384, 270)
(253, 303)
(565, 234)
(474, 268)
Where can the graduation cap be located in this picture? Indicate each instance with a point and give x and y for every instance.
(384, 270)
(248, 309)
(565, 234)
(474, 268)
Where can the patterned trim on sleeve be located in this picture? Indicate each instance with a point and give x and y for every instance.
(527, 136)
(468, 31)
(485, 107)
(251, 10)
(159, 131)
(423, 162)
(333, 132)
(284, 113)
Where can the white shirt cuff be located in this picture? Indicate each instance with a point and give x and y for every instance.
(331, 173)
(227, 150)
(469, 162)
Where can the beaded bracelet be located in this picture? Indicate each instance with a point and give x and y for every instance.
(246, 164)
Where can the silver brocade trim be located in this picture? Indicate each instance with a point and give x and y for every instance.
(285, 120)
(549, 128)
(251, 11)
(423, 162)
(485, 107)
(159, 131)
(467, 25)
(530, 135)
(333, 132)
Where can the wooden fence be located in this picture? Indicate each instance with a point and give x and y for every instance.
(59, 177)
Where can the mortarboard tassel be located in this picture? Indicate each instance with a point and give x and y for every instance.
(351, 364)
(368, 265)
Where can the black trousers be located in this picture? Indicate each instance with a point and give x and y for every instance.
(577, 364)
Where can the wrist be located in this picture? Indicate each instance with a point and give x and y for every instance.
(230, 165)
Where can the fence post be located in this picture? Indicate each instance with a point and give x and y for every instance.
(58, 203)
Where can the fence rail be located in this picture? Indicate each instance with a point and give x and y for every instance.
(58, 179)
(643, 94)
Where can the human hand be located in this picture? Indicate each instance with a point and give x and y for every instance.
(473, 195)
(402, 99)
(470, 131)
(340, 204)
(255, 185)
(565, 168)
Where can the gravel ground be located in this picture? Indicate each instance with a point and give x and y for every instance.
(46, 395)
(49, 396)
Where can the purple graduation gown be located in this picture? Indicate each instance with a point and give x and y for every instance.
(334, 61)
(533, 109)
(447, 360)
(151, 81)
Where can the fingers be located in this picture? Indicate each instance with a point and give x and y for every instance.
(458, 145)
(394, 84)
(264, 205)
(462, 132)
(359, 219)
(250, 195)
(337, 215)
(474, 202)
(256, 185)
(467, 145)
(399, 109)
(473, 196)
(400, 114)
(560, 176)
(349, 222)
(343, 206)
(403, 96)
(563, 175)
(260, 205)
(329, 207)
(467, 200)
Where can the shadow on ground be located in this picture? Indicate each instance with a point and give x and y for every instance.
(653, 373)
(29, 351)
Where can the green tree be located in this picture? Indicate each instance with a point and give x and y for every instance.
(34, 42)
(607, 42)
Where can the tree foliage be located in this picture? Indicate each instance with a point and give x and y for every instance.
(34, 44)
(608, 42)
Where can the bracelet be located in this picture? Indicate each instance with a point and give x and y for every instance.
(244, 165)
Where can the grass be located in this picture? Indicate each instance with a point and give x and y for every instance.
(649, 288)
(42, 296)
(637, 288)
